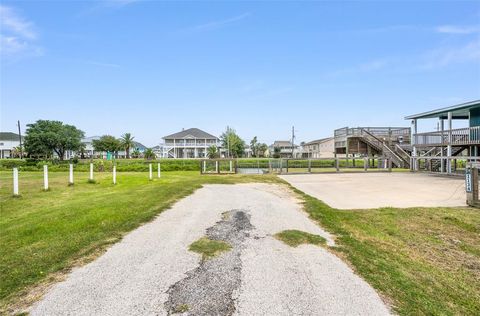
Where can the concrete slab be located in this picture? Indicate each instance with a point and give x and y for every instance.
(374, 190)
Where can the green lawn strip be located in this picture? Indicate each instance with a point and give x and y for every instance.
(294, 238)
(424, 260)
(209, 248)
(42, 233)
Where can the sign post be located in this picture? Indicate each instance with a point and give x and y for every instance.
(471, 185)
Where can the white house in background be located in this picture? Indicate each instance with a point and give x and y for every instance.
(287, 150)
(189, 143)
(320, 148)
(8, 141)
(91, 153)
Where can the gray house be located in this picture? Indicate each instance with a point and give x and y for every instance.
(189, 143)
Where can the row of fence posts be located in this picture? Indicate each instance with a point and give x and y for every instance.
(16, 191)
(217, 169)
(387, 164)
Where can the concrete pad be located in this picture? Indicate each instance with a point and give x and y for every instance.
(374, 190)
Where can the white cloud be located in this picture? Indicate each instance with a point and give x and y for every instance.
(17, 35)
(212, 25)
(446, 56)
(452, 29)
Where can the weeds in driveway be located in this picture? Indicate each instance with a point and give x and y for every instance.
(209, 248)
(294, 238)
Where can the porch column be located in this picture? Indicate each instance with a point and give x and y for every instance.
(414, 142)
(174, 149)
(442, 161)
(450, 140)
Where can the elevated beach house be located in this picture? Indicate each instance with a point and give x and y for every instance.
(189, 143)
(8, 143)
(456, 134)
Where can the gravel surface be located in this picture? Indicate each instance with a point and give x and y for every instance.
(208, 290)
(138, 275)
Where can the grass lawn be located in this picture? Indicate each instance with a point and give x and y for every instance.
(425, 261)
(45, 232)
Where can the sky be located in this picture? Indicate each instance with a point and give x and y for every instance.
(152, 68)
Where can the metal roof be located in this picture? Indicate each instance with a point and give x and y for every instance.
(321, 140)
(459, 111)
(283, 143)
(8, 136)
(190, 133)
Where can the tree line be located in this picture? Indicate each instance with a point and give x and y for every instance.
(46, 137)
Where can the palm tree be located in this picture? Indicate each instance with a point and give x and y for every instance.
(127, 143)
(149, 154)
(16, 151)
(212, 152)
(135, 153)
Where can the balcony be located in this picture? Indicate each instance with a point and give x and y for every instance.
(459, 137)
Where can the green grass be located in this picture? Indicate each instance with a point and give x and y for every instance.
(209, 248)
(425, 261)
(295, 238)
(42, 233)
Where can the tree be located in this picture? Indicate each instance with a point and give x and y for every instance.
(276, 152)
(16, 151)
(253, 146)
(149, 154)
(106, 143)
(127, 143)
(261, 149)
(212, 152)
(136, 153)
(82, 150)
(45, 137)
(233, 143)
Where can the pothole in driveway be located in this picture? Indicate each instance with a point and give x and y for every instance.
(209, 288)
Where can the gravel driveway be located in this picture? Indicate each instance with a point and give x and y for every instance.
(152, 267)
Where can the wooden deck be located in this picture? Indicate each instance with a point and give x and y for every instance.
(454, 137)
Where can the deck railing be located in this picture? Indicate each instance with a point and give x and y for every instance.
(459, 136)
(383, 133)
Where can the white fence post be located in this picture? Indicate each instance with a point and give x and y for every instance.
(216, 166)
(114, 174)
(91, 172)
(159, 173)
(204, 166)
(45, 177)
(231, 166)
(150, 176)
(15, 182)
(70, 177)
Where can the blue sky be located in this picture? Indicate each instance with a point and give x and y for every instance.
(154, 67)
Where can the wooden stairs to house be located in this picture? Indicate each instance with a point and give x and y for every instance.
(435, 164)
(399, 157)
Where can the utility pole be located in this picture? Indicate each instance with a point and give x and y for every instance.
(228, 142)
(293, 140)
(20, 138)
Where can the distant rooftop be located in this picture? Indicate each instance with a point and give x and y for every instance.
(321, 140)
(191, 133)
(8, 136)
(283, 143)
(459, 111)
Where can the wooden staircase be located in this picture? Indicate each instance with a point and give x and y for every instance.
(399, 157)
